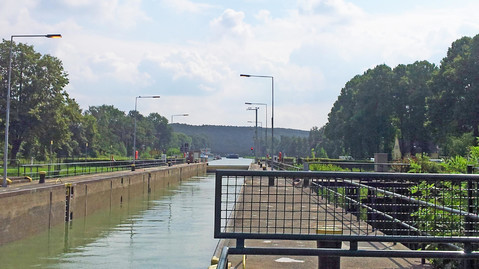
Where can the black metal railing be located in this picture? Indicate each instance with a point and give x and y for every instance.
(413, 209)
(56, 170)
(366, 166)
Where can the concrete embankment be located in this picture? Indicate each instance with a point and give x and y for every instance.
(30, 208)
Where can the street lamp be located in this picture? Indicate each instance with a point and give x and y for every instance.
(7, 112)
(272, 107)
(178, 115)
(255, 132)
(134, 133)
(266, 121)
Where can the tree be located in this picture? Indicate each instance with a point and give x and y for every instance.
(409, 92)
(361, 117)
(115, 130)
(159, 132)
(38, 99)
(453, 109)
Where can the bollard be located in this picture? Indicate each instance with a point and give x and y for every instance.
(42, 177)
(133, 167)
(326, 262)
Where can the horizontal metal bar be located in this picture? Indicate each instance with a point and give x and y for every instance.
(376, 211)
(395, 220)
(354, 253)
(351, 175)
(410, 199)
(360, 238)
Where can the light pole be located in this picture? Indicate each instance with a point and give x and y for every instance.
(266, 123)
(7, 112)
(178, 115)
(272, 108)
(255, 132)
(134, 133)
(261, 126)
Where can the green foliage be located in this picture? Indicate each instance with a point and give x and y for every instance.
(41, 110)
(457, 164)
(326, 167)
(453, 106)
(421, 164)
(360, 120)
(458, 145)
(173, 152)
(323, 153)
(420, 103)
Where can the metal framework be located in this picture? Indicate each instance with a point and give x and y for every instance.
(413, 209)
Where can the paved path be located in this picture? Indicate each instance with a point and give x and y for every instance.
(295, 221)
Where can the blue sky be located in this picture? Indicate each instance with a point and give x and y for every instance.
(192, 52)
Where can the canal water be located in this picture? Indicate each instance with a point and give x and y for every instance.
(171, 228)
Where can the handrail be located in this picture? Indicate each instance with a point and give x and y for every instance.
(223, 260)
(89, 167)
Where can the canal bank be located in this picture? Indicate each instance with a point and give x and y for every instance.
(31, 208)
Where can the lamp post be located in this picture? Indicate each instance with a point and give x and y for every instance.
(261, 126)
(7, 112)
(266, 123)
(134, 133)
(255, 132)
(272, 107)
(178, 115)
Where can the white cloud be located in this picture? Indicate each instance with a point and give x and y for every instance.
(187, 6)
(231, 24)
(339, 8)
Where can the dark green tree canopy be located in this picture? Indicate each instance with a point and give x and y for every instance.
(39, 102)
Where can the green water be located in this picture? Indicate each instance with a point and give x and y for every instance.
(172, 228)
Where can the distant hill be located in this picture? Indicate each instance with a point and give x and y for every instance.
(233, 139)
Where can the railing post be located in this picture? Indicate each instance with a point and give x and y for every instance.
(326, 262)
(271, 181)
(469, 222)
(306, 182)
(305, 166)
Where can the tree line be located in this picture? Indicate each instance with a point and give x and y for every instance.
(429, 109)
(46, 123)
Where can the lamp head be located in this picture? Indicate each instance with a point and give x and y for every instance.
(53, 36)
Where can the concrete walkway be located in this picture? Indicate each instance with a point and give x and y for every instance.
(255, 261)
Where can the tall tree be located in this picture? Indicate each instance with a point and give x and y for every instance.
(114, 129)
(409, 92)
(38, 98)
(360, 118)
(453, 109)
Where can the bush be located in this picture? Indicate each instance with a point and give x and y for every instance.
(421, 164)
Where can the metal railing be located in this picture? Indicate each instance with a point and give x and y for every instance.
(366, 166)
(56, 170)
(413, 209)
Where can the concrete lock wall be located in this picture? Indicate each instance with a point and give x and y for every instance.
(25, 212)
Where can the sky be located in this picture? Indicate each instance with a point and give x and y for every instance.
(192, 53)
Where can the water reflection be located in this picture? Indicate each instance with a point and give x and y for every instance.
(168, 228)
